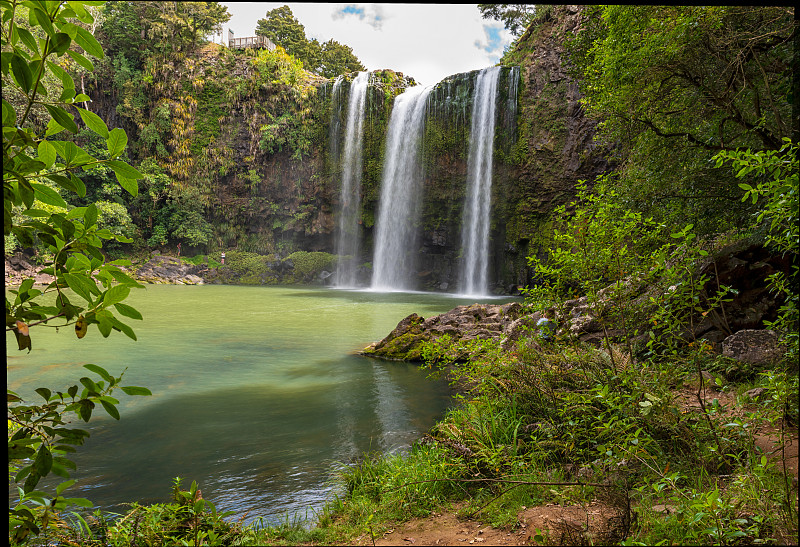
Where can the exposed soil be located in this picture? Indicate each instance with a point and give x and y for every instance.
(558, 524)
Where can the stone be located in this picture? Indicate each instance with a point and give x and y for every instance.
(756, 393)
(473, 322)
(757, 347)
(710, 380)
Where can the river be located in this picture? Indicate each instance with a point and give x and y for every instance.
(257, 393)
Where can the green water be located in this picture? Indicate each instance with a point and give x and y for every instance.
(256, 393)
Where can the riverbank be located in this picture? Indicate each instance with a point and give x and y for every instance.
(239, 268)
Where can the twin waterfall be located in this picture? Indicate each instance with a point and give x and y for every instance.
(397, 234)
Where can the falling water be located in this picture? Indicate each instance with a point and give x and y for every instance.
(511, 104)
(336, 120)
(347, 239)
(475, 223)
(398, 211)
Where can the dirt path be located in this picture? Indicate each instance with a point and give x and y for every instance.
(562, 525)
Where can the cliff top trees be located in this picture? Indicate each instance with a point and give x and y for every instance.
(329, 59)
(515, 17)
(163, 26)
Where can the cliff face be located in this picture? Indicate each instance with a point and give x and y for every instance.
(554, 149)
(254, 145)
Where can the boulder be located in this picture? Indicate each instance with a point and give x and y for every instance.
(755, 394)
(169, 270)
(469, 322)
(757, 347)
(403, 343)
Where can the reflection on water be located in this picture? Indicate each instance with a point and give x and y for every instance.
(256, 393)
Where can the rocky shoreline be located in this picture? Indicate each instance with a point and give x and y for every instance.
(738, 334)
(159, 269)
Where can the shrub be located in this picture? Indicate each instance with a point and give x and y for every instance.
(308, 265)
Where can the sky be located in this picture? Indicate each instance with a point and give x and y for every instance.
(425, 41)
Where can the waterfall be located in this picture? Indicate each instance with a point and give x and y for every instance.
(511, 105)
(475, 220)
(336, 121)
(347, 238)
(398, 210)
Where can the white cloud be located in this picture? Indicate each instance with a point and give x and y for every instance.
(426, 41)
(371, 14)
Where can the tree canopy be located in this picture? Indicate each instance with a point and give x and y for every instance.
(672, 85)
(135, 27)
(328, 59)
(515, 17)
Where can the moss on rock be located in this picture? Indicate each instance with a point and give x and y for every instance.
(403, 343)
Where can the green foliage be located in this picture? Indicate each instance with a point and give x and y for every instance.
(286, 132)
(207, 126)
(187, 520)
(188, 223)
(159, 236)
(308, 265)
(281, 26)
(30, 159)
(675, 84)
(597, 243)
(600, 250)
(776, 193)
(335, 59)
(278, 67)
(250, 267)
(34, 162)
(168, 26)
(515, 17)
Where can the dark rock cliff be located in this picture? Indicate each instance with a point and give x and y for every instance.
(555, 147)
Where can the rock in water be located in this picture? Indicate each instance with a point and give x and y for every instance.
(476, 321)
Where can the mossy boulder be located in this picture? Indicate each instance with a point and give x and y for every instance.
(474, 322)
(403, 343)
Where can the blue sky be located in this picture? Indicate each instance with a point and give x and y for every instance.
(425, 41)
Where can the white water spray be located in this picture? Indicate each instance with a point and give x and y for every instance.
(398, 211)
(348, 239)
(475, 223)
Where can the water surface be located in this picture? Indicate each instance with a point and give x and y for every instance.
(257, 393)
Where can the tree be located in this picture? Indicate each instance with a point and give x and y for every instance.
(37, 167)
(337, 59)
(123, 32)
(715, 76)
(281, 26)
(329, 59)
(132, 28)
(672, 85)
(515, 17)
